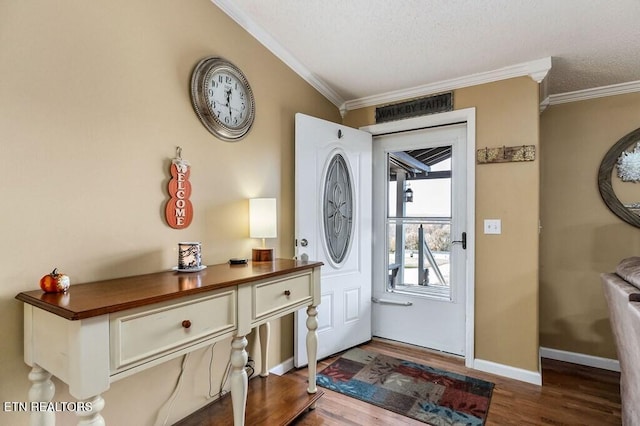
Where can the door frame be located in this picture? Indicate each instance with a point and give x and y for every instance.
(468, 116)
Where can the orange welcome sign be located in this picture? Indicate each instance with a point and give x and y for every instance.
(179, 210)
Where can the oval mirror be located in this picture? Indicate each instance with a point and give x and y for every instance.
(626, 186)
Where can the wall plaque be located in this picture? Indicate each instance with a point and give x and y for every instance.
(179, 210)
(416, 107)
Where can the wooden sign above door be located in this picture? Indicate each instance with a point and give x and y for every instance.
(416, 107)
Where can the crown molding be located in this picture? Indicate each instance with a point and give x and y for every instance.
(537, 70)
(598, 92)
(235, 13)
(544, 104)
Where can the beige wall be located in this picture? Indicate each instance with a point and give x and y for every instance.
(94, 99)
(506, 265)
(580, 237)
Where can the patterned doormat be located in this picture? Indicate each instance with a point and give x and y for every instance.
(424, 393)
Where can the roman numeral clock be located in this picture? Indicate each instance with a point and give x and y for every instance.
(222, 98)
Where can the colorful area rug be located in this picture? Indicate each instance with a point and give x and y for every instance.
(427, 394)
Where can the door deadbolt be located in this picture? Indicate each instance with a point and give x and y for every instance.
(304, 242)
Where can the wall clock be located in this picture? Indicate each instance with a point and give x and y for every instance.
(222, 98)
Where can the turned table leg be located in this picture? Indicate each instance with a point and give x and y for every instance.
(91, 417)
(42, 390)
(312, 346)
(238, 378)
(264, 332)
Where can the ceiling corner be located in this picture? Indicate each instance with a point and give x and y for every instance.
(539, 69)
(262, 36)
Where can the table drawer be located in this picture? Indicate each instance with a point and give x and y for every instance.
(140, 335)
(275, 296)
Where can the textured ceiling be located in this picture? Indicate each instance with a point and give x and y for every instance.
(363, 48)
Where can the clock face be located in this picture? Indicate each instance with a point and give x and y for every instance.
(227, 98)
(222, 98)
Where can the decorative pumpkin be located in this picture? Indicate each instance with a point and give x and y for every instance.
(55, 282)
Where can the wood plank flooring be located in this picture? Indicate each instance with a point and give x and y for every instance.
(570, 394)
(271, 401)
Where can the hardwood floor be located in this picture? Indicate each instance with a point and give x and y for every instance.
(570, 395)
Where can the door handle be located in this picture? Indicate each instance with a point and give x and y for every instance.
(463, 241)
(390, 302)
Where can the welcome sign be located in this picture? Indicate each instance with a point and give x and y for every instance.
(179, 210)
(416, 107)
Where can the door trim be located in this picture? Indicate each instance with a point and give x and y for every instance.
(468, 116)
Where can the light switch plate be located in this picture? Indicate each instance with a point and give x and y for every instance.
(493, 226)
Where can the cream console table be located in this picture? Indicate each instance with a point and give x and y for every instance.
(100, 332)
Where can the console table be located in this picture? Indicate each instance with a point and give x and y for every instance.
(100, 332)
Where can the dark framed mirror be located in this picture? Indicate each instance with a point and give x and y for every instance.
(611, 192)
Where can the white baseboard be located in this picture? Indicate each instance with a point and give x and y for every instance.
(533, 377)
(582, 359)
(282, 368)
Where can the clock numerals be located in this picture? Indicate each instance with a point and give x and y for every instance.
(227, 99)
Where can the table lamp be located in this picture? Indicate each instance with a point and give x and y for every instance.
(263, 223)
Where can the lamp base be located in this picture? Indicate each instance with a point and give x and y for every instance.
(262, 254)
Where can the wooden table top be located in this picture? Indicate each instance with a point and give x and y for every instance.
(102, 297)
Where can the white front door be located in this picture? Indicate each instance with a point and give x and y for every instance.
(420, 201)
(333, 225)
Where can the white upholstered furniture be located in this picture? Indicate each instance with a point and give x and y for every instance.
(100, 332)
(622, 291)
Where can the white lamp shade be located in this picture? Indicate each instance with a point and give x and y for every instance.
(263, 221)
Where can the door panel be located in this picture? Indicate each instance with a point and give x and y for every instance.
(333, 225)
(423, 208)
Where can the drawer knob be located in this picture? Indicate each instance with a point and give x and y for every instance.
(287, 293)
(186, 323)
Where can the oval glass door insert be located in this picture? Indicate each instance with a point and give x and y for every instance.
(338, 209)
